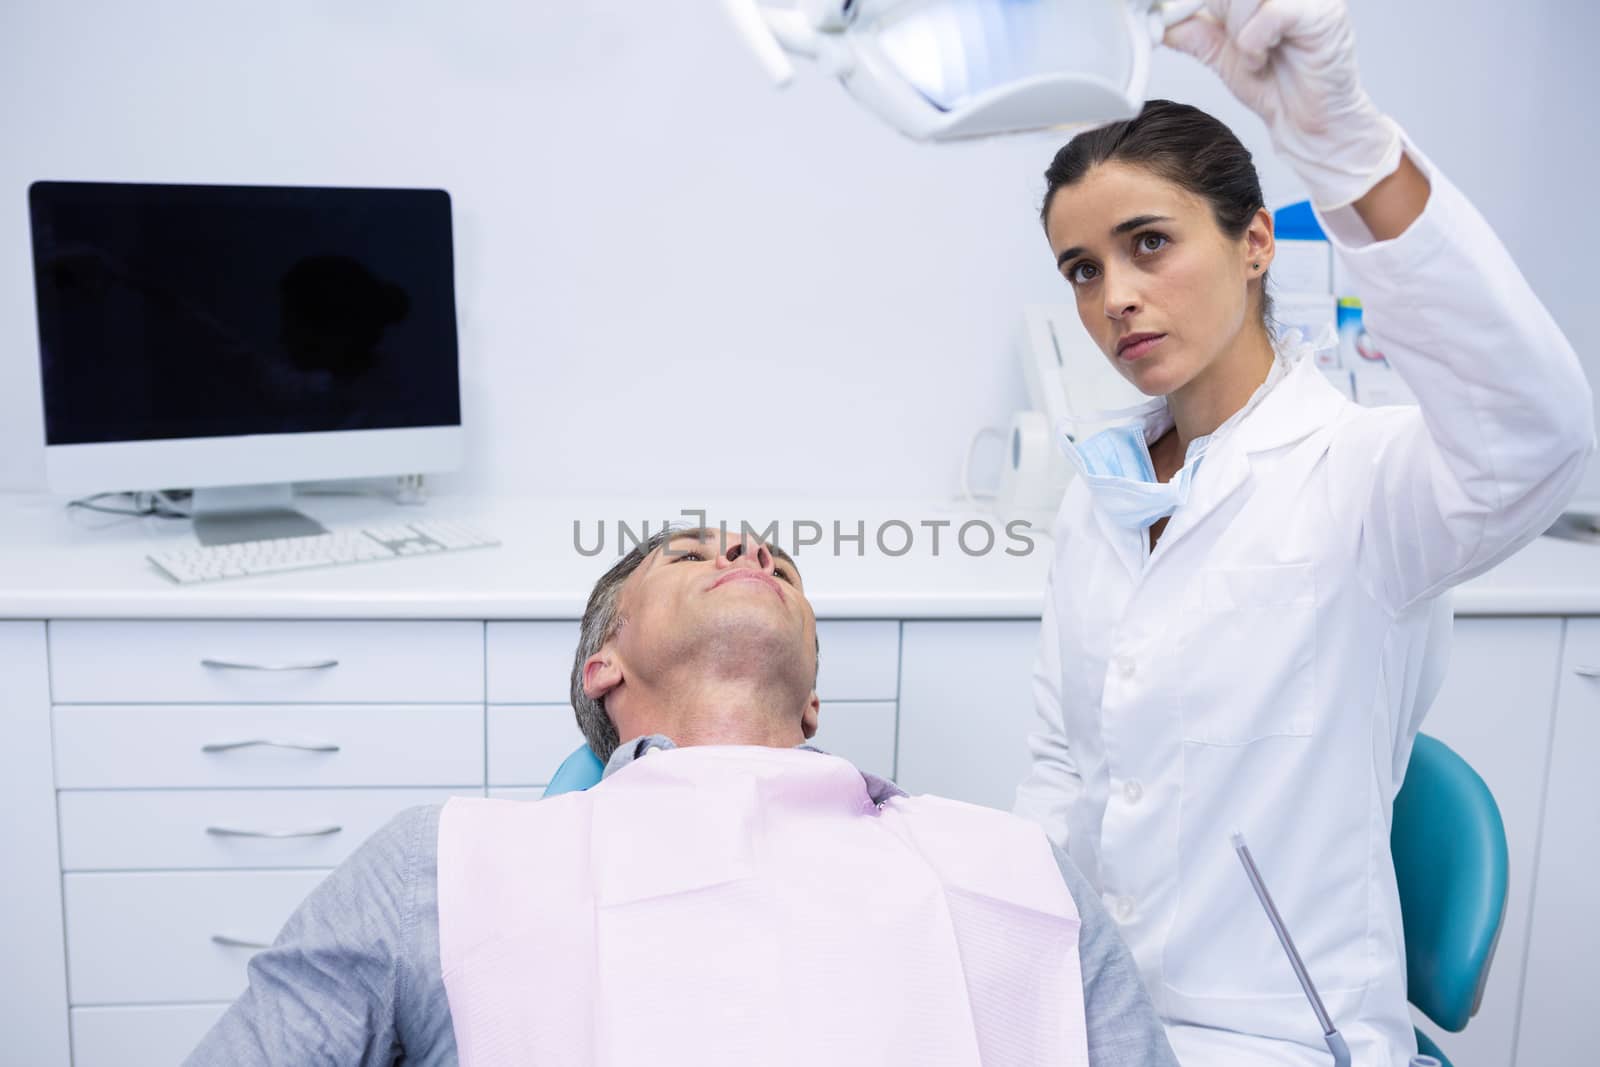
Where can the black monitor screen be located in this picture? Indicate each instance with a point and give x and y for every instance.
(177, 311)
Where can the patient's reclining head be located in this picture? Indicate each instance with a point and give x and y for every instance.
(702, 635)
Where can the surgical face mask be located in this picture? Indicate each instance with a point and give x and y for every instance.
(946, 69)
(1117, 470)
(1110, 453)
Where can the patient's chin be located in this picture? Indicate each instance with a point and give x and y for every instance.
(753, 641)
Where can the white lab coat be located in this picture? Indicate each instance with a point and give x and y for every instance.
(1267, 667)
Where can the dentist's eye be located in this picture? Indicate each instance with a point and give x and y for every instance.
(689, 553)
(785, 575)
(1075, 277)
(1139, 243)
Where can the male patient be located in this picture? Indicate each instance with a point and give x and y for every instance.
(726, 895)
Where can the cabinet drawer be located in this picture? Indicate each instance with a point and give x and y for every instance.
(1581, 660)
(531, 662)
(527, 742)
(167, 830)
(127, 747)
(147, 938)
(140, 1037)
(95, 662)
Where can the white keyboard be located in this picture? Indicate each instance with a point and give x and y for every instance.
(209, 563)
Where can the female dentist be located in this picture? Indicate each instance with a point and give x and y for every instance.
(1244, 623)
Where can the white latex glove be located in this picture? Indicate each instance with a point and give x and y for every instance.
(1293, 62)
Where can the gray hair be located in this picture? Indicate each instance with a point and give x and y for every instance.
(601, 621)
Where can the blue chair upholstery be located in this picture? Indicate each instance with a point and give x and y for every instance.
(1450, 861)
(577, 772)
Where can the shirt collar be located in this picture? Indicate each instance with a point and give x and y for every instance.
(1291, 352)
(879, 789)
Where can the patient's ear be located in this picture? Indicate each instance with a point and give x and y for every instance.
(808, 718)
(601, 674)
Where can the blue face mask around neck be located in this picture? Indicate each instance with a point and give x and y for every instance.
(1116, 467)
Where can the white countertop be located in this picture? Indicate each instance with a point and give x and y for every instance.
(56, 564)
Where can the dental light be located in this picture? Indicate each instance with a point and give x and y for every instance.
(941, 70)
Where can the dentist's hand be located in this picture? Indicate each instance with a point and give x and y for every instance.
(1293, 62)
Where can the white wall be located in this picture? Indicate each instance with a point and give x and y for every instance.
(651, 242)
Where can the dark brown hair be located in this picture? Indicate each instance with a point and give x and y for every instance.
(1185, 146)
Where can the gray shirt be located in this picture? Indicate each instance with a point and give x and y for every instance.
(353, 979)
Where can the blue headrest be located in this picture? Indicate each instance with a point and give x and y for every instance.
(577, 772)
(1450, 863)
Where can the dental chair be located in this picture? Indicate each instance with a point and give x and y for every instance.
(577, 772)
(1450, 863)
(1451, 866)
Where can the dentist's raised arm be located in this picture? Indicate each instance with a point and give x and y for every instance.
(1507, 424)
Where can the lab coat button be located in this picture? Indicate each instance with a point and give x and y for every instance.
(1133, 792)
(1124, 908)
(1125, 666)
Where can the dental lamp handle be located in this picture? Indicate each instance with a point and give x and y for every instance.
(770, 34)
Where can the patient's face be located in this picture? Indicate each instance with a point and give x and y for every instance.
(732, 605)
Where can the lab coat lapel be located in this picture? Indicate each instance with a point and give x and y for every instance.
(1127, 544)
(1224, 470)
(1300, 405)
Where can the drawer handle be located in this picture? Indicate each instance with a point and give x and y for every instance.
(276, 835)
(1587, 672)
(303, 746)
(237, 942)
(229, 665)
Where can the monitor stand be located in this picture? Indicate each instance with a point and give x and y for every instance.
(227, 514)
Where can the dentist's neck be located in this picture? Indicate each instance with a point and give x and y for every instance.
(1217, 393)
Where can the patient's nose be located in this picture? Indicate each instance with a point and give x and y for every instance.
(749, 552)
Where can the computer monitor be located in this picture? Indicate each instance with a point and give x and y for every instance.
(203, 336)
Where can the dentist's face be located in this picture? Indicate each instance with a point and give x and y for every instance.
(1144, 256)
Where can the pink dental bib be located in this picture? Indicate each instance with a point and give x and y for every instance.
(752, 906)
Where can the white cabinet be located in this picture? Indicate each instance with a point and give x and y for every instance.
(1564, 942)
(858, 660)
(173, 937)
(527, 742)
(139, 1036)
(966, 708)
(862, 731)
(225, 829)
(33, 977)
(209, 776)
(198, 802)
(531, 662)
(95, 662)
(1495, 710)
(204, 746)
